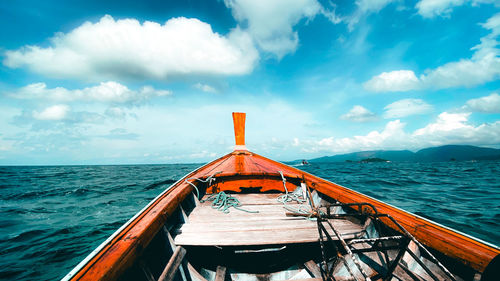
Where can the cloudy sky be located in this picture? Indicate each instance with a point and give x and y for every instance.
(115, 82)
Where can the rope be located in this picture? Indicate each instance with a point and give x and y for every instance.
(294, 196)
(289, 197)
(209, 180)
(223, 201)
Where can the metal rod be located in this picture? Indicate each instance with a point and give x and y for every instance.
(348, 250)
(371, 240)
(421, 263)
(395, 262)
(323, 254)
(357, 204)
(432, 258)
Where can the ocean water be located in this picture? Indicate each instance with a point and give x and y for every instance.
(52, 217)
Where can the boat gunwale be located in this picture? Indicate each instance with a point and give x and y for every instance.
(408, 212)
(115, 234)
(307, 176)
(449, 230)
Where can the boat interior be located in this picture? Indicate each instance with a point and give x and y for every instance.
(283, 230)
(244, 217)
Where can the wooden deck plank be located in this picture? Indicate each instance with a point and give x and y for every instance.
(208, 213)
(220, 273)
(254, 199)
(258, 237)
(208, 226)
(258, 225)
(172, 265)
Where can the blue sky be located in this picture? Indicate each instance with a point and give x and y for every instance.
(115, 82)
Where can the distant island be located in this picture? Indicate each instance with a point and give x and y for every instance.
(431, 154)
(368, 160)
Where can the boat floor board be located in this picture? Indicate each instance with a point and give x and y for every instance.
(209, 227)
(254, 199)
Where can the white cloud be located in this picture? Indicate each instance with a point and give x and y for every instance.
(446, 122)
(433, 8)
(359, 113)
(52, 113)
(391, 136)
(270, 23)
(488, 104)
(118, 113)
(482, 67)
(122, 49)
(452, 128)
(205, 88)
(449, 128)
(406, 107)
(105, 92)
(466, 72)
(365, 7)
(394, 81)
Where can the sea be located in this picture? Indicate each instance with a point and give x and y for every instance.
(51, 217)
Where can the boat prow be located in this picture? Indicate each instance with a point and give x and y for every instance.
(246, 217)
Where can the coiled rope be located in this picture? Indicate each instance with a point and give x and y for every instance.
(294, 196)
(223, 201)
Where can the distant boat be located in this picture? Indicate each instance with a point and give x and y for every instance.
(246, 217)
(304, 162)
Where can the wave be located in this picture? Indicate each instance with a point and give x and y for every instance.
(156, 184)
(55, 216)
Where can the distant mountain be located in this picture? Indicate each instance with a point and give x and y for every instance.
(457, 152)
(432, 154)
(392, 155)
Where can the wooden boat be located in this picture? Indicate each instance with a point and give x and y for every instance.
(317, 230)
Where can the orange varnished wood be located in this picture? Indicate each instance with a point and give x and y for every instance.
(122, 251)
(243, 168)
(239, 163)
(239, 127)
(263, 185)
(469, 251)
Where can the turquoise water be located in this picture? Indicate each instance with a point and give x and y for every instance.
(52, 217)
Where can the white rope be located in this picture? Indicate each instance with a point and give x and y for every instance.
(296, 196)
(209, 180)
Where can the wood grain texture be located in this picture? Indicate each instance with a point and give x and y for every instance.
(173, 265)
(208, 226)
(123, 249)
(239, 127)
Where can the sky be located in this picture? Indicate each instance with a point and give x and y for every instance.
(151, 82)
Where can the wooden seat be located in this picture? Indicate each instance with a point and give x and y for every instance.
(209, 227)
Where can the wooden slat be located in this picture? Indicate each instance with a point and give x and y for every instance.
(313, 269)
(207, 213)
(194, 274)
(262, 209)
(173, 265)
(220, 273)
(173, 247)
(208, 226)
(246, 225)
(253, 199)
(259, 237)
